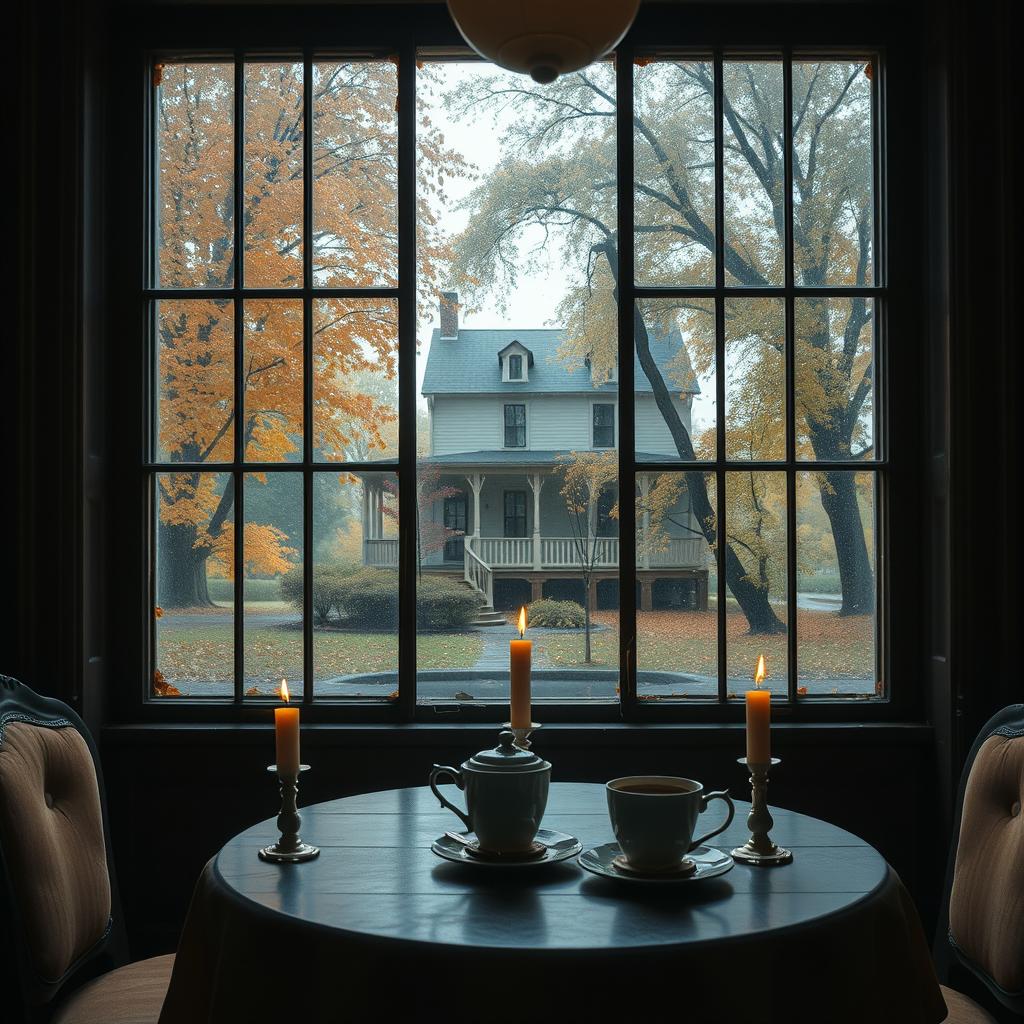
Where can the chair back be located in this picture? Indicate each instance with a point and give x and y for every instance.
(56, 890)
(985, 886)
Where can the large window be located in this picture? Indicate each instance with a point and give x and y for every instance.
(339, 252)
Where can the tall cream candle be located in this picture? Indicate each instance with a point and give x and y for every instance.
(286, 735)
(520, 655)
(759, 716)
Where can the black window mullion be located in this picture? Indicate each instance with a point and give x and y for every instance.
(790, 359)
(719, 128)
(239, 340)
(625, 226)
(307, 379)
(407, 377)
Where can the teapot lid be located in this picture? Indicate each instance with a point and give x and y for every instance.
(506, 756)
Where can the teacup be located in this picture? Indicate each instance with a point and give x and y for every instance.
(654, 816)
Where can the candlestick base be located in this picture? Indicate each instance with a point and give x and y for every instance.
(522, 734)
(759, 849)
(289, 849)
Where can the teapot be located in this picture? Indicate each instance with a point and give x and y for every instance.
(506, 792)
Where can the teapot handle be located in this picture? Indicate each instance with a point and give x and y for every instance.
(456, 776)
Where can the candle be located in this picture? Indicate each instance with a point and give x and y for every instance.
(520, 653)
(286, 733)
(759, 716)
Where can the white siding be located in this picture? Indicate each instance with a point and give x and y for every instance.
(652, 435)
(558, 422)
(469, 424)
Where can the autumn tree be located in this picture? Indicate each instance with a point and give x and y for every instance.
(354, 244)
(557, 176)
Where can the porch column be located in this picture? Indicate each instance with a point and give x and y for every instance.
(645, 555)
(536, 483)
(378, 493)
(476, 483)
(646, 595)
(366, 524)
(536, 589)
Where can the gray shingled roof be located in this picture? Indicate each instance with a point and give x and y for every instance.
(519, 457)
(469, 364)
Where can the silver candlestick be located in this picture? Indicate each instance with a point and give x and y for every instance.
(522, 734)
(289, 849)
(759, 848)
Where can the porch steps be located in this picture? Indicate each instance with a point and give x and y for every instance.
(486, 615)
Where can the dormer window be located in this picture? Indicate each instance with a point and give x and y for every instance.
(515, 360)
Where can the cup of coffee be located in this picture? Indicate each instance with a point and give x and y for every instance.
(654, 817)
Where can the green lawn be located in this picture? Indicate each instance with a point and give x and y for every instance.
(830, 647)
(206, 652)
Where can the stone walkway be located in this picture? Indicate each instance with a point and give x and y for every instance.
(494, 655)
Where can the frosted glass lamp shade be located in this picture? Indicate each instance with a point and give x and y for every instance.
(543, 38)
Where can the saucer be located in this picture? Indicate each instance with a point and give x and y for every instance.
(709, 863)
(558, 846)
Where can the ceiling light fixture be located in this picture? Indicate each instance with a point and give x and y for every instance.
(543, 38)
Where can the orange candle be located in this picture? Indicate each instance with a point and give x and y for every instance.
(520, 654)
(759, 717)
(286, 734)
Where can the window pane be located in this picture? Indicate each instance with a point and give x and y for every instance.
(674, 170)
(195, 164)
(754, 173)
(194, 614)
(836, 633)
(355, 174)
(679, 336)
(677, 586)
(195, 381)
(832, 173)
(272, 543)
(755, 379)
(355, 379)
(273, 380)
(604, 426)
(273, 175)
(355, 585)
(835, 379)
(756, 587)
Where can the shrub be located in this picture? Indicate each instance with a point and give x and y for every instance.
(555, 614)
(444, 604)
(361, 597)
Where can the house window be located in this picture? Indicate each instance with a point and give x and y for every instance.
(515, 426)
(736, 343)
(604, 425)
(515, 513)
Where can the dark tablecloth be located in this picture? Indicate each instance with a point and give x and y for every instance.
(307, 943)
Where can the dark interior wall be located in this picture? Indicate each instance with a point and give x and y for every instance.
(176, 796)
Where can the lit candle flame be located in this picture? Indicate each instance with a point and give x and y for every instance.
(760, 672)
(522, 621)
(284, 690)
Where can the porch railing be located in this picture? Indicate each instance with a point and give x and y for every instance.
(478, 575)
(682, 551)
(562, 552)
(505, 551)
(381, 552)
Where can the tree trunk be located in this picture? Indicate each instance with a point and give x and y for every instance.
(181, 568)
(586, 619)
(839, 499)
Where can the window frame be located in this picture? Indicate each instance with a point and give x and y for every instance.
(515, 493)
(613, 426)
(517, 365)
(776, 28)
(524, 426)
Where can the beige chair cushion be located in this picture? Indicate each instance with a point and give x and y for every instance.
(132, 994)
(51, 828)
(986, 905)
(963, 1010)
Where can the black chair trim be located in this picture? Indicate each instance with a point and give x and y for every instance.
(25, 705)
(1012, 1000)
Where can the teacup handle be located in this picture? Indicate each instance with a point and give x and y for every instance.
(456, 776)
(704, 801)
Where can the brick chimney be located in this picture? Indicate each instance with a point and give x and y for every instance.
(449, 316)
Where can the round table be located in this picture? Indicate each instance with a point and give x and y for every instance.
(378, 927)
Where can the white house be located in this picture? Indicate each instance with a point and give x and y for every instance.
(503, 409)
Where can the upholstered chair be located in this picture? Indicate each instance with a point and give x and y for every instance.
(982, 920)
(61, 939)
